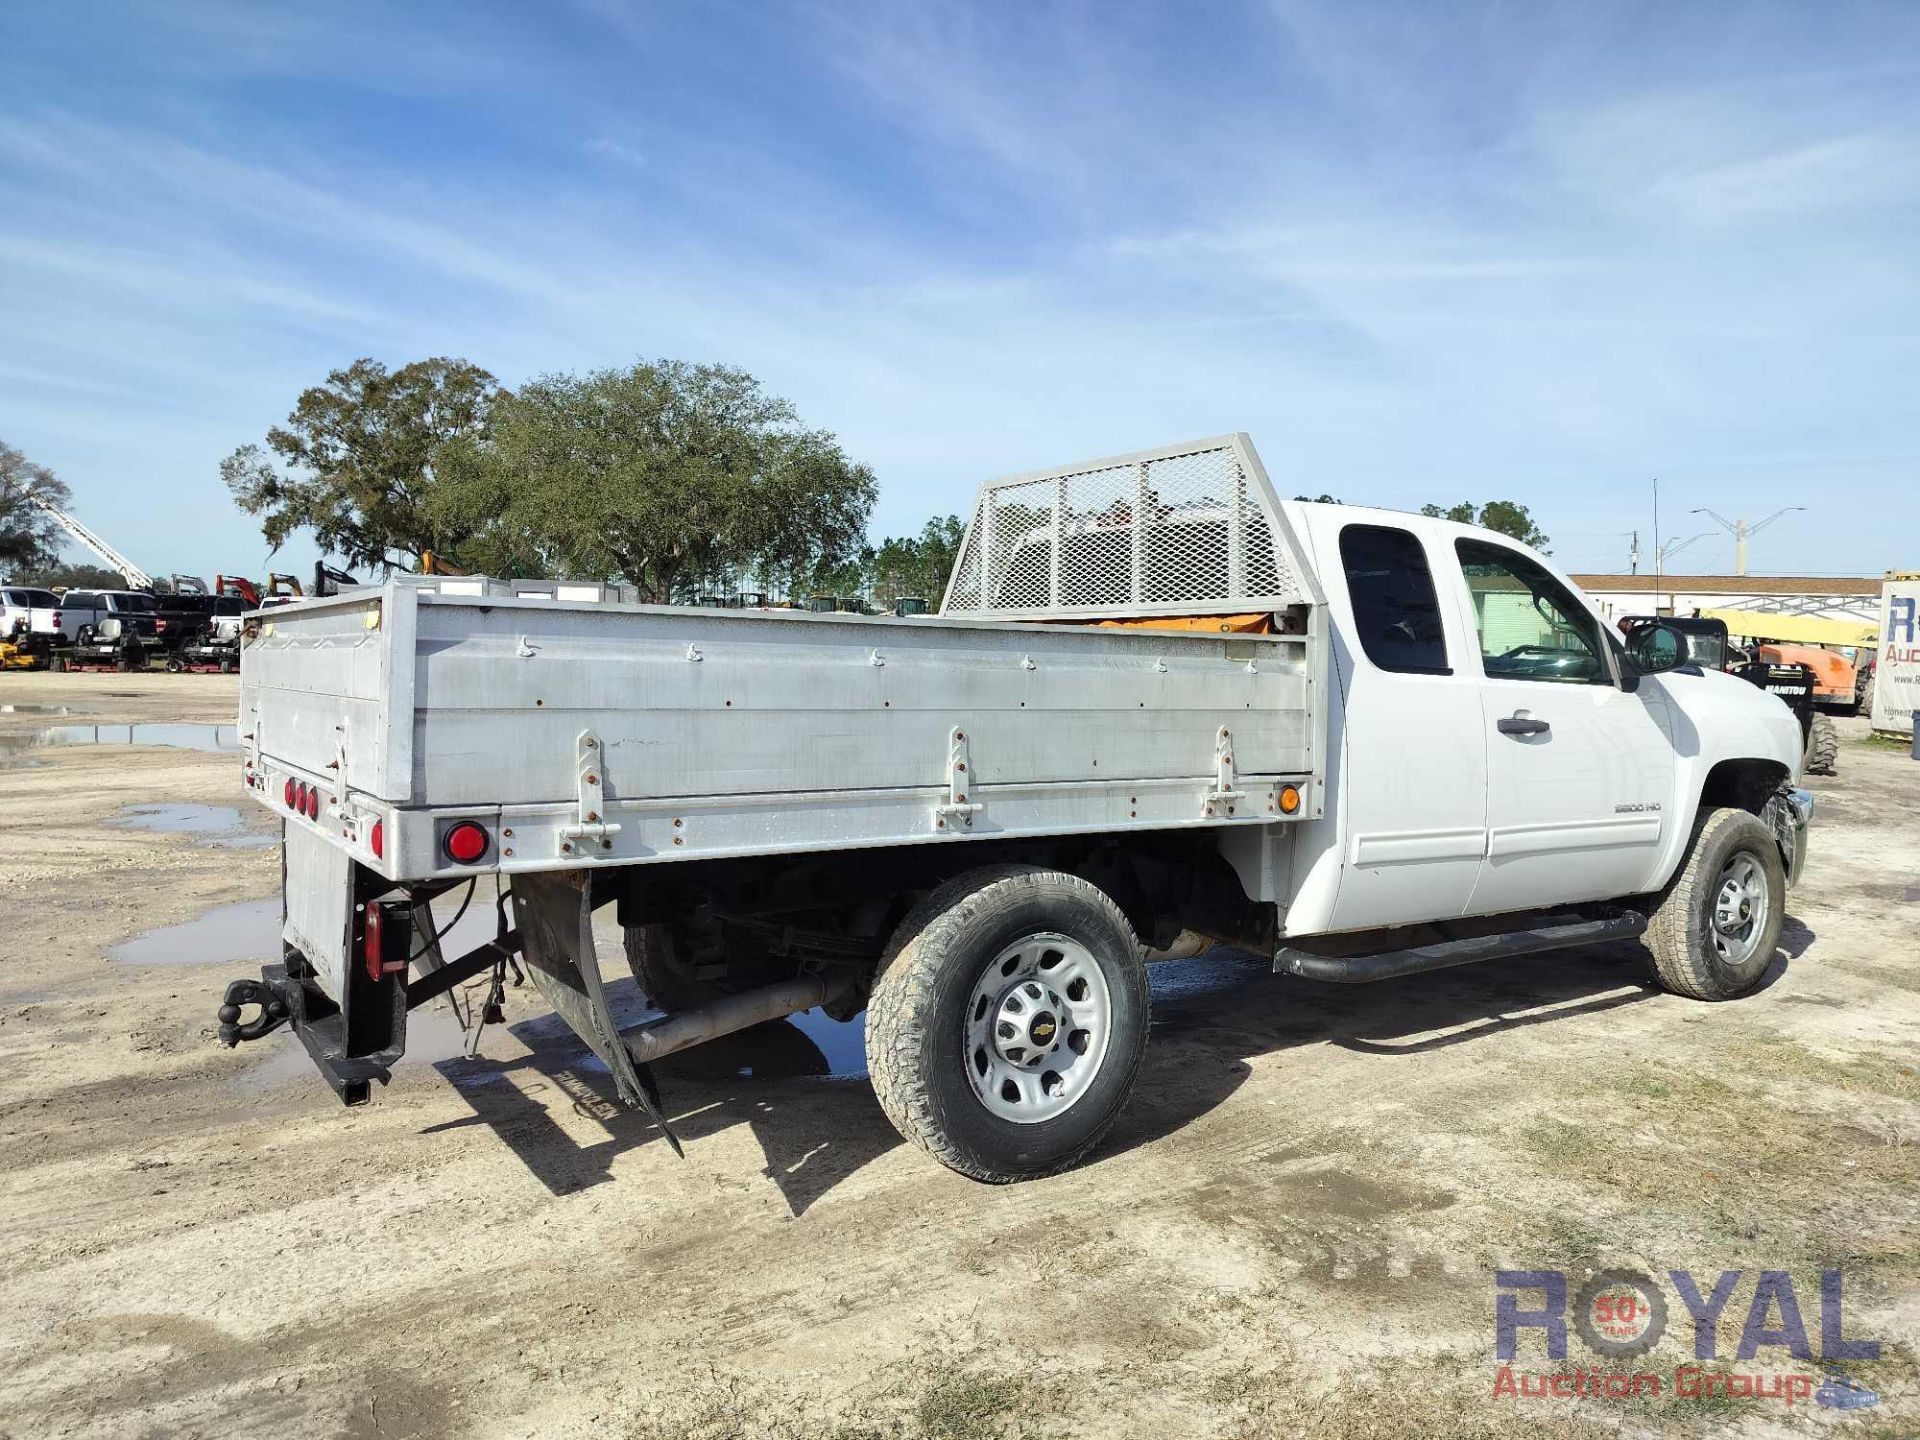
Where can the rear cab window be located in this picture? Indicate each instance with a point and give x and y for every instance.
(1396, 610)
(1530, 626)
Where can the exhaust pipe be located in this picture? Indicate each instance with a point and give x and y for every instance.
(730, 1014)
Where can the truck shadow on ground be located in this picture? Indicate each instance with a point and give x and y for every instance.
(814, 1127)
(1211, 1014)
(1202, 1041)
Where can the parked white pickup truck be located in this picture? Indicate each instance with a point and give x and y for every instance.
(1158, 708)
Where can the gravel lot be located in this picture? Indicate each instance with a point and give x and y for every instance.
(1293, 1231)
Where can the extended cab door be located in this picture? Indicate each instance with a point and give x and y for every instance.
(1413, 797)
(1579, 770)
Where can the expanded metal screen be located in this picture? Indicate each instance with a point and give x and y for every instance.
(1184, 530)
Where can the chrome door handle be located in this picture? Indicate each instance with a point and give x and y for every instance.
(1522, 725)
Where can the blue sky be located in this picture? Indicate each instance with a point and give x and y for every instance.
(1420, 251)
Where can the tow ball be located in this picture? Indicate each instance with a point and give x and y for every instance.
(241, 993)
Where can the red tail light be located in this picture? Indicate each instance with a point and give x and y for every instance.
(378, 840)
(313, 802)
(466, 843)
(290, 794)
(374, 943)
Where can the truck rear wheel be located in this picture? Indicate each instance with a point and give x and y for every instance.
(673, 976)
(1823, 746)
(1008, 1022)
(1717, 925)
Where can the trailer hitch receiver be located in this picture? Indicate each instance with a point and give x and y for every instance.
(242, 993)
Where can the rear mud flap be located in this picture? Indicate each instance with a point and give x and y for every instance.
(554, 914)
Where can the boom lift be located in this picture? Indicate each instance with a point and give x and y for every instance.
(136, 578)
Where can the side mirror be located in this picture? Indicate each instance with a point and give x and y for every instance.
(1656, 649)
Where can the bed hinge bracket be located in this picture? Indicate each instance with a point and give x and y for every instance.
(1226, 793)
(590, 830)
(958, 811)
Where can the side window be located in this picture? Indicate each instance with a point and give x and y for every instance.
(1395, 609)
(1530, 625)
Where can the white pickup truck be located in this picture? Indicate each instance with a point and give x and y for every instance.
(1158, 708)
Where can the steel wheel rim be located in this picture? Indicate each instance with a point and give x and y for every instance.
(1740, 906)
(1038, 1022)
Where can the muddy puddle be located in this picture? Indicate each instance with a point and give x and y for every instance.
(34, 710)
(218, 739)
(221, 826)
(227, 934)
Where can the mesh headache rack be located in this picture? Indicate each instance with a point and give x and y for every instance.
(1191, 529)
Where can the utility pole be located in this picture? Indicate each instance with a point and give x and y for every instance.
(1633, 555)
(1742, 530)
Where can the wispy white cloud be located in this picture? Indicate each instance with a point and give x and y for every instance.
(1420, 254)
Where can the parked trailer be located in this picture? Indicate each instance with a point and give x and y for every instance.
(1158, 707)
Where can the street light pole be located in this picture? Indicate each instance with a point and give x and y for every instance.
(1741, 530)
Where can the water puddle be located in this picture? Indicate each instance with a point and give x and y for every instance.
(34, 710)
(218, 825)
(225, 935)
(216, 739)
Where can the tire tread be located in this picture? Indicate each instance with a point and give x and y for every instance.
(899, 1010)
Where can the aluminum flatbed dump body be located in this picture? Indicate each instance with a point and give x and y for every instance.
(585, 733)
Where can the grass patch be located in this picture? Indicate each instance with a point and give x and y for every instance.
(1751, 1172)
(1871, 1072)
(977, 1406)
(1397, 1400)
(1899, 743)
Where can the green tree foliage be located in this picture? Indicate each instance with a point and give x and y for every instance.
(674, 477)
(917, 564)
(74, 577)
(29, 538)
(359, 459)
(1509, 517)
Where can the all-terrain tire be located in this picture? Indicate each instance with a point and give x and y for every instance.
(1680, 933)
(1823, 746)
(918, 1015)
(1866, 695)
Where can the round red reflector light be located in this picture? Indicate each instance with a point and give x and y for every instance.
(313, 802)
(290, 794)
(377, 841)
(466, 843)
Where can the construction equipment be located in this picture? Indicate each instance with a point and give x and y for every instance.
(136, 578)
(25, 649)
(238, 585)
(208, 650)
(188, 585)
(111, 643)
(330, 581)
(432, 563)
(1833, 673)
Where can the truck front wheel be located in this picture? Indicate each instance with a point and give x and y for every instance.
(1714, 930)
(1008, 1022)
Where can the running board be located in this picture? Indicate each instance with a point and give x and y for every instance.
(1392, 964)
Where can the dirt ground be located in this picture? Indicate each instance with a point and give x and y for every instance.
(1294, 1230)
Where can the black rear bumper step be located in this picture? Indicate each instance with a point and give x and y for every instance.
(1442, 955)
